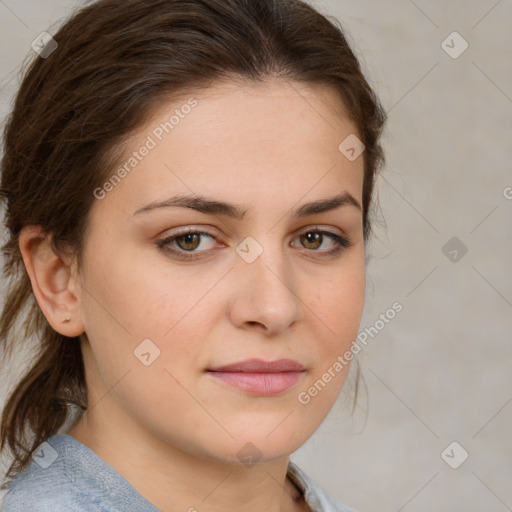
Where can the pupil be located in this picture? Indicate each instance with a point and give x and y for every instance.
(189, 239)
(312, 237)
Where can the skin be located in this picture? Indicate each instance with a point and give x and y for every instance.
(170, 429)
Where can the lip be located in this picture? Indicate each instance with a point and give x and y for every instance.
(259, 377)
(261, 366)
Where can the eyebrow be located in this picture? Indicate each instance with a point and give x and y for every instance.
(214, 207)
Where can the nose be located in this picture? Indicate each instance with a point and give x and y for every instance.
(266, 293)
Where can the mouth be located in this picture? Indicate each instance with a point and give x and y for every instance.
(259, 377)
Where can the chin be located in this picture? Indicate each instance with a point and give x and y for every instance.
(249, 446)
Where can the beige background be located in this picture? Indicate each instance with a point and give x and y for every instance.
(440, 371)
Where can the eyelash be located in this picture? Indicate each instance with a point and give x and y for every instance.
(341, 244)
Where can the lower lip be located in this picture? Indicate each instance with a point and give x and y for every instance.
(261, 384)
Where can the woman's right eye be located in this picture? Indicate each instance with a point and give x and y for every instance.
(186, 242)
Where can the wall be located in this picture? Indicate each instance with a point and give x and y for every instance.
(440, 371)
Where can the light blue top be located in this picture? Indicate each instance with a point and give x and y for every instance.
(64, 475)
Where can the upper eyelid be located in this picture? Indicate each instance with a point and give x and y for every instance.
(204, 230)
(341, 243)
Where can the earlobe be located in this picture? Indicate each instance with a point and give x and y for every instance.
(52, 282)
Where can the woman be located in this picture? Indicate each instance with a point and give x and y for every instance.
(188, 187)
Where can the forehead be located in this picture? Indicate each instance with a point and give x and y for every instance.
(278, 139)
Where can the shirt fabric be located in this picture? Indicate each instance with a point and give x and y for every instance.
(64, 475)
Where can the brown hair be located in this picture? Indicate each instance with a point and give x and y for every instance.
(116, 61)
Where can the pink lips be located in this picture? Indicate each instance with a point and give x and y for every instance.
(258, 377)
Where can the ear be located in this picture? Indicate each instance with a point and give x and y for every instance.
(53, 282)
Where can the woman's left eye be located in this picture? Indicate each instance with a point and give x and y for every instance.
(190, 241)
(313, 239)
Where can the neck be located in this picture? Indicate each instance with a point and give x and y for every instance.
(174, 479)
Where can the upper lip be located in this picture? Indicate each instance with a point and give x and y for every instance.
(261, 366)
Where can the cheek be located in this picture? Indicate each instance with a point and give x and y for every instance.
(128, 298)
(129, 318)
(337, 308)
(138, 299)
(338, 304)
(175, 308)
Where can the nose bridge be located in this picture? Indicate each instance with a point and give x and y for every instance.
(264, 259)
(267, 293)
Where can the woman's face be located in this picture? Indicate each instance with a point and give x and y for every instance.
(160, 315)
